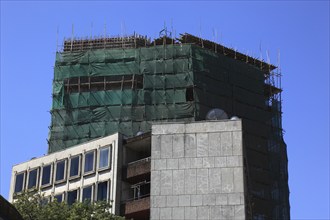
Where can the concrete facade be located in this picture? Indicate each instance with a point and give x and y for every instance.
(197, 171)
(112, 174)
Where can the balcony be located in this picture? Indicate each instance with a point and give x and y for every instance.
(138, 170)
(138, 209)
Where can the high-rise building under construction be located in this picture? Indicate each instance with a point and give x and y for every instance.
(125, 84)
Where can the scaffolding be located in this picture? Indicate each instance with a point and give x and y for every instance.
(97, 92)
(123, 84)
(133, 41)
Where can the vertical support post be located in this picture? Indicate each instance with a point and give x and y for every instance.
(134, 39)
(105, 35)
(260, 56)
(122, 83)
(72, 37)
(133, 80)
(68, 87)
(79, 84)
(57, 39)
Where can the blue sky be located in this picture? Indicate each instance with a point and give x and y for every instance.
(299, 29)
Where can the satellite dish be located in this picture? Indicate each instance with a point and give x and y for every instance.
(234, 118)
(139, 133)
(216, 114)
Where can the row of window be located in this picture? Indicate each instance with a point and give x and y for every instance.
(98, 192)
(60, 174)
(102, 83)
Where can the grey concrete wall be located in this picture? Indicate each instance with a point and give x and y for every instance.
(197, 171)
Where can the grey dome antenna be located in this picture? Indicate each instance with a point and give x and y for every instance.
(216, 114)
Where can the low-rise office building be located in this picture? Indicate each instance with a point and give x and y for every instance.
(89, 171)
(112, 169)
(198, 170)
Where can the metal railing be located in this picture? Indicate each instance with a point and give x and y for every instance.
(144, 160)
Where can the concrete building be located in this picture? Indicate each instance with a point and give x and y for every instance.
(129, 85)
(197, 171)
(193, 170)
(87, 171)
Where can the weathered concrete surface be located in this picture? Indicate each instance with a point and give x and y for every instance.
(197, 171)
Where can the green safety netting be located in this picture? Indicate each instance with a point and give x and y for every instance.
(181, 82)
(168, 73)
(83, 115)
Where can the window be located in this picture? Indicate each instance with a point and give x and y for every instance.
(33, 179)
(59, 198)
(104, 158)
(19, 182)
(259, 217)
(72, 197)
(141, 190)
(60, 171)
(190, 94)
(89, 165)
(74, 167)
(102, 83)
(102, 191)
(46, 179)
(45, 201)
(87, 194)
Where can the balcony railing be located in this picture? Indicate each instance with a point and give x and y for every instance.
(141, 205)
(144, 160)
(140, 168)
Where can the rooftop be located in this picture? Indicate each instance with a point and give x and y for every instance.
(137, 41)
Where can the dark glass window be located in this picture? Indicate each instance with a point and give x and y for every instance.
(102, 83)
(60, 170)
(46, 175)
(190, 94)
(72, 197)
(87, 194)
(19, 182)
(33, 179)
(89, 162)
(44, 201)
(104, 158)
(58, 198)
(74, 166)
(102, 191)
(141, 190)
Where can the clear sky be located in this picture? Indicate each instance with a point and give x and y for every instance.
(299, 29)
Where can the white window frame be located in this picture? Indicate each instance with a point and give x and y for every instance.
(23, 184)
(109, 157)
(64, 172)
(28, 179)
(108, 190)
(78, 195)
(79, 167)
(50, 175)
(92, 193)
(94, 162)
(59, 194)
